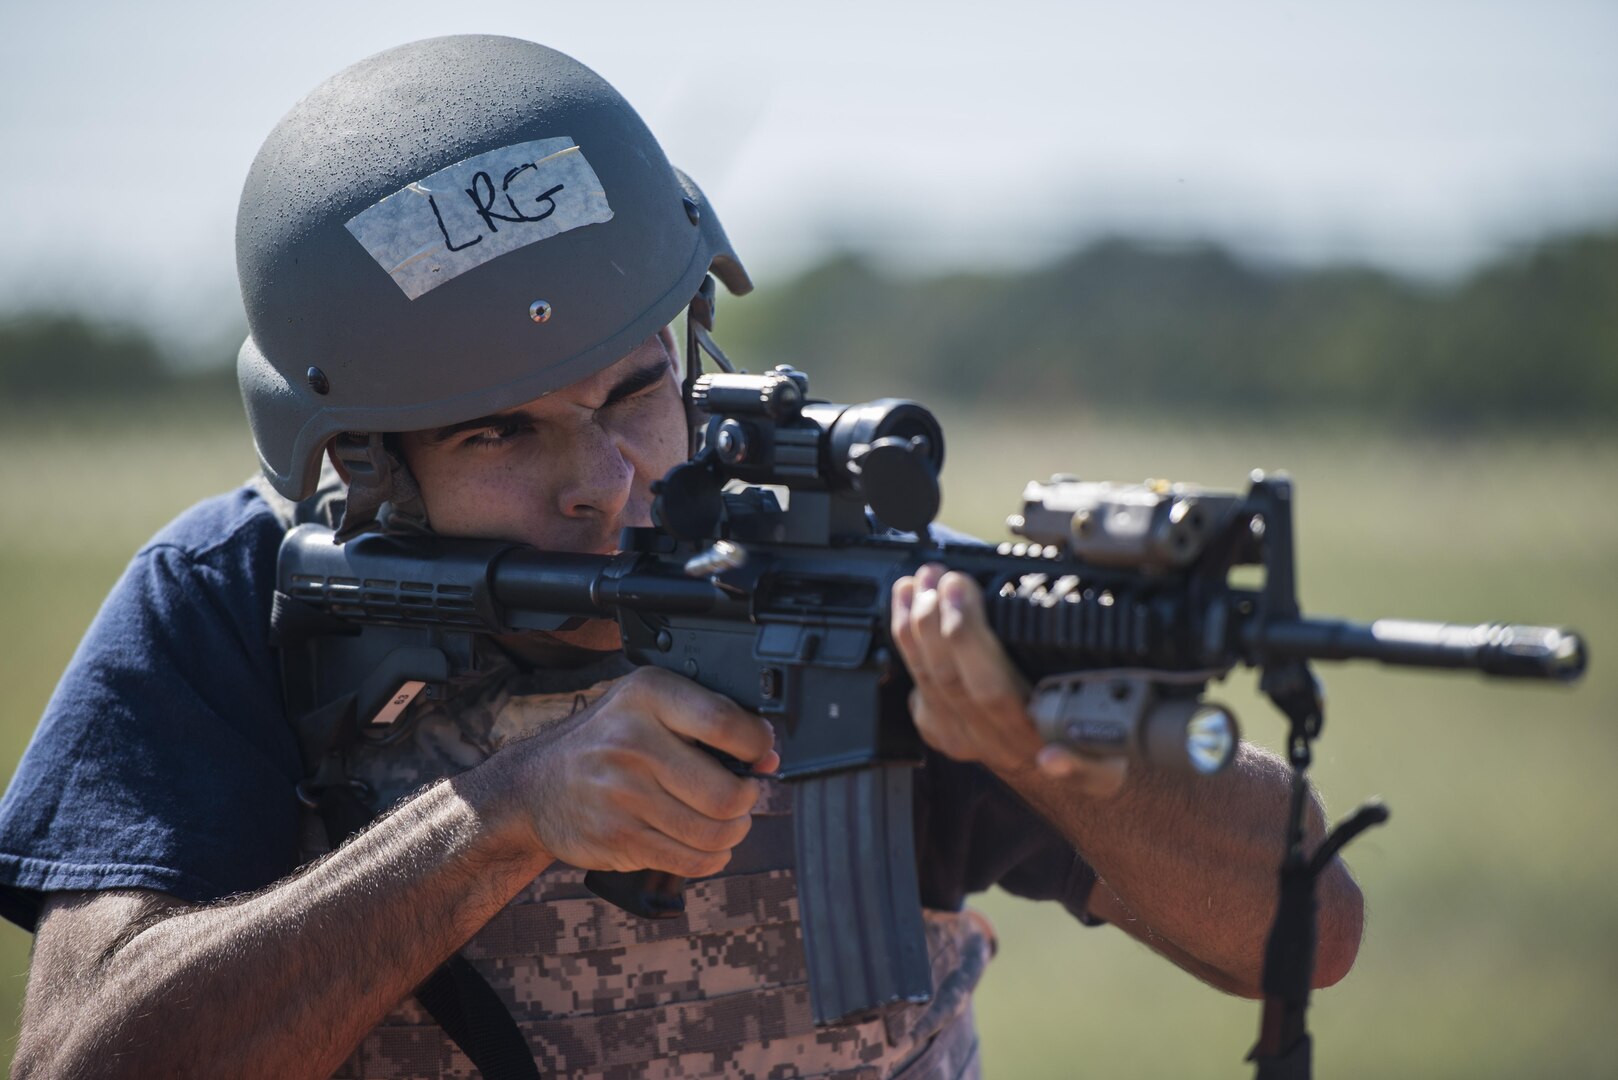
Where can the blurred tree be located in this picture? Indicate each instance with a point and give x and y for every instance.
(60, 356)
(1137, 327)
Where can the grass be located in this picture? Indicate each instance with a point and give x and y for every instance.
(1492, 947)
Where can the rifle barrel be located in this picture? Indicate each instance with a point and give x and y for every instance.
(1534, 652)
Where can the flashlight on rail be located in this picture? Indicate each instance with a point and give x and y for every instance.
(1128, 714)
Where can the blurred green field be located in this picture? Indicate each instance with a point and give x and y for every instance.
(1492, 947)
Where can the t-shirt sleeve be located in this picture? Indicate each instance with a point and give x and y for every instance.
(163, 761)
(975, 832)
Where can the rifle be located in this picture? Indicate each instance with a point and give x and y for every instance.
(1116, 601)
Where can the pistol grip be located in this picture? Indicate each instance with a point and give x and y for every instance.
(651, 894)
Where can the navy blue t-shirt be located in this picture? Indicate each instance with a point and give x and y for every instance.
(164, 760)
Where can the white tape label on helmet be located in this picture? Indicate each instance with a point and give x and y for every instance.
(460, 217)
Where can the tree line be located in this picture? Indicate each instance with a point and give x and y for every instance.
(1530, 336)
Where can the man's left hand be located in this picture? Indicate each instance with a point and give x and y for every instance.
(970, 703)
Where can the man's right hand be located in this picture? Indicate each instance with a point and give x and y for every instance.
(623, 786)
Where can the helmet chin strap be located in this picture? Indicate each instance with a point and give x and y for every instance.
(381, 491)
(699, 322)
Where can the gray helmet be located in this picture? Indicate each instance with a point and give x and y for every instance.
(448, 229)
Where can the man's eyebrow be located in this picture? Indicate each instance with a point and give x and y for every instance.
(636, 381)
(628, 386)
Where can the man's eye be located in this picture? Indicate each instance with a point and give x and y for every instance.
(629, 399)
(496, 436)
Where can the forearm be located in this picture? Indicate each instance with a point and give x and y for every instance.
(286, 982)
(1189, 865)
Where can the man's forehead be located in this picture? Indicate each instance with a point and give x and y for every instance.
(648, 363)
(647, 353)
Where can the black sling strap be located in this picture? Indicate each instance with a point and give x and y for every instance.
(1284, 1050)
(472, 1014)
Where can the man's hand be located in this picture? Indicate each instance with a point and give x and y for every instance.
(969, 702)
(624, 786)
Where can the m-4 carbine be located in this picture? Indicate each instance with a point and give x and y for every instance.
(1116, 601)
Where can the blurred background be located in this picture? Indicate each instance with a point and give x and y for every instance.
(1373, 243)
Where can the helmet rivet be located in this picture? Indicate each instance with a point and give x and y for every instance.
(540, 310)
(318, 381)
(692, 211)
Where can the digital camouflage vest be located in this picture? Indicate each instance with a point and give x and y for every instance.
(718, 991)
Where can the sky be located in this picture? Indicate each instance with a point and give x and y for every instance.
(1420, 137)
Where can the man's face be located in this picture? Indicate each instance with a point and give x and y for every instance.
(564, 472)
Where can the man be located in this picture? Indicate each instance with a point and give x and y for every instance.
(460, 261)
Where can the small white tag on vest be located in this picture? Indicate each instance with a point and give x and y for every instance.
(460, 217)
(403, 696)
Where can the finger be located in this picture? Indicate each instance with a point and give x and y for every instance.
(696, 779)
(904, 595)
(674, 819)
(1099, 777)
(902, 622)
(648, 849)
(931, 664)
(902, 627)
(700, 715)
(935, 703)
(986, 672)
(1057, 762)
(982, 689)
(769, 765)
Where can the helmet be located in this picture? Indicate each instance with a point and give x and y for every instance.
(448, 229)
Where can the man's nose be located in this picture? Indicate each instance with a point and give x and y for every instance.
(597, 479)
